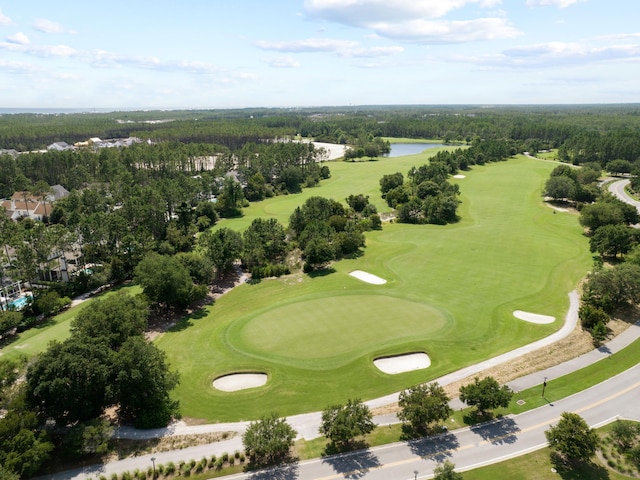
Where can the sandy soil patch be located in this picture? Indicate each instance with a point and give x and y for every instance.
(459, 176)
(240, 381)
(534, 317)
(402, 363)
(368, 277)
(333, 150)
(558, 209)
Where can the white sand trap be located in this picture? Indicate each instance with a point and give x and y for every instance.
(402, 363)
(533, 317)
(239, 381)
(368, 277)
(459, 176)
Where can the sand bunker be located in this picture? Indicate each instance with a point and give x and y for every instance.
(402, 363)
(368, 277)
(239, 381)
(459, 176)
(533, 317)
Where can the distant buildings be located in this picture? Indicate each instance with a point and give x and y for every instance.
(27, 205)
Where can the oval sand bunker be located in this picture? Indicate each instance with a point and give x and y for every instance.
(239, 381)
(368, 277)
(402, 363)
(534, 317)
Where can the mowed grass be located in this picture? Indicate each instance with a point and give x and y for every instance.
(450, 292)
(36, 340)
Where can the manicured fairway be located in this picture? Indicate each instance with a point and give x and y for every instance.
(450, 292)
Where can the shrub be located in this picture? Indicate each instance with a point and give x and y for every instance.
(170, 468)
(591, 315)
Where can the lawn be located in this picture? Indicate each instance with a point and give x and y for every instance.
(450, 292)
(36, 340)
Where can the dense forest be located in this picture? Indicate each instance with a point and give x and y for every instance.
(144, 213)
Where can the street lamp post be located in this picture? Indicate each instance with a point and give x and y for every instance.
(544, 385)
(415, 474)
(153, 462)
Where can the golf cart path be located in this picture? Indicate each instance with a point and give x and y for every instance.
(307, 424)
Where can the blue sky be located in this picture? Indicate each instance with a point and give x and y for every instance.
(166, 54)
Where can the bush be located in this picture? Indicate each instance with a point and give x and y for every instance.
(591, 315)
(170, 468)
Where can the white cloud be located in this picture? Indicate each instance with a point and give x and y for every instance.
(415, 21)
(441, 31)
(4, 20)
(48, 26)
(343, 48)
(18, 38)
(362, 12)
(308, 45)
(16, 67)
(558, 54)
(282, 62)
(552, 3)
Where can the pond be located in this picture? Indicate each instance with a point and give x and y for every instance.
(402, 149)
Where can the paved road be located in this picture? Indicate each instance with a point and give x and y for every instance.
(467, 448)
(617, 188)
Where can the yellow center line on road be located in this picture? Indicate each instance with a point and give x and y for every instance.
(465, 447)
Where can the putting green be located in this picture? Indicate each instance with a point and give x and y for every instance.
(335, 326)
(451, 292)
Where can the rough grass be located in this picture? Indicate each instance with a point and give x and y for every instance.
(508, 252)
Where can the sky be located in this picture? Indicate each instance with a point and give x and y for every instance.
(204, 54)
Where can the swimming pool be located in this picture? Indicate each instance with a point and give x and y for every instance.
(19, 303)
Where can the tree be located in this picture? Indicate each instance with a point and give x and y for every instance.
(600, 213)
(389, 182)
(231, 198)
(223, 247)
(611, 240)
(572, 438)
(268, 441)
(142, 384)
(116, 318)
(342, 423)
(617, 167)
(445, 471)
(24, 447)
(485, 394)
(560, 187)
(318, 253)
(610, 288)
(164, 279)
(423, 405)
(264, 242)
(71, 380)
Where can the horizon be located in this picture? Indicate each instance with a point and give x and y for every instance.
(224, 55)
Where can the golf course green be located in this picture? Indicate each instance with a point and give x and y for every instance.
(450, 292)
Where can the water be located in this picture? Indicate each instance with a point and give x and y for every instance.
(19, 303)
(402, 149)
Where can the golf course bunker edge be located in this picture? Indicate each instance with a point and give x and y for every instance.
(534, 317)
(406, 362)
(232, 382)
(368, 277)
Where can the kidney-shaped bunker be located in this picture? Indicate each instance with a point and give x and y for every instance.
(239, 381)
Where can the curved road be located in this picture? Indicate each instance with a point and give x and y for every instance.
(617, 188)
